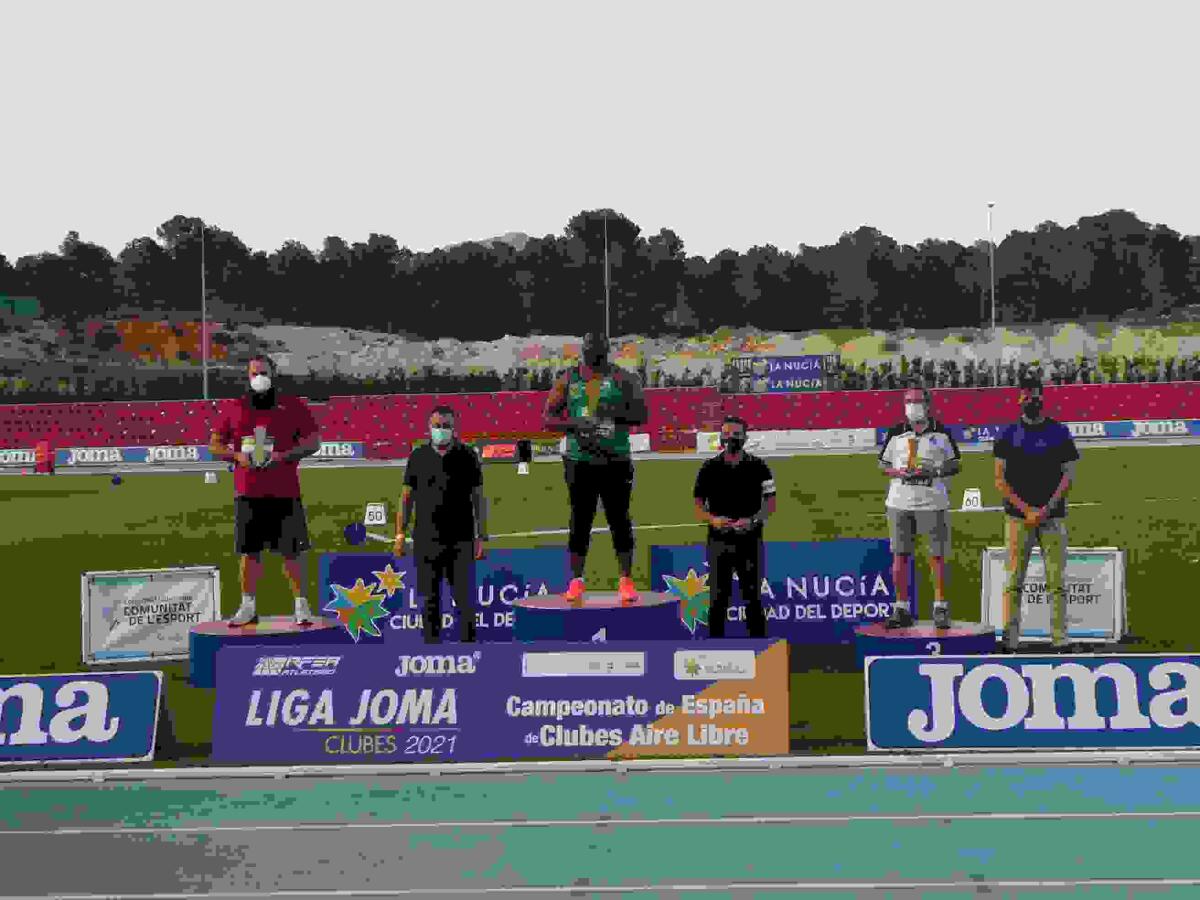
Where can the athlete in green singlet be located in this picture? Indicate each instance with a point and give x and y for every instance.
(595, 404)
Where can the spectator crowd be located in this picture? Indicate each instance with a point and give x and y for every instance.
(949, 373)
(86, 384)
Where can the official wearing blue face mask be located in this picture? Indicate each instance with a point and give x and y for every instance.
(443, 480)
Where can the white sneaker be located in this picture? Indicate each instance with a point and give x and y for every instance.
(304, 615)
(246, 615)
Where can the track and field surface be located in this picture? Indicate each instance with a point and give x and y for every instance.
(1142, 499)
(853, 830)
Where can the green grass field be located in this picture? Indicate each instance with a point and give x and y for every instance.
(54, 529)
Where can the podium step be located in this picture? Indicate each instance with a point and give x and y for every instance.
(270, 632)
(602, 616)
(923, 639)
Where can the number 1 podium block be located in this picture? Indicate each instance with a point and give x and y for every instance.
(653, 617)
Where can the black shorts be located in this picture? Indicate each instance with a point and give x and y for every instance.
(270, 523)
(593, 474)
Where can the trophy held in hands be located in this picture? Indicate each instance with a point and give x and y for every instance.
(258, 448)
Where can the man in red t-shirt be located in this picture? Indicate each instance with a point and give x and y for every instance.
(265, 435)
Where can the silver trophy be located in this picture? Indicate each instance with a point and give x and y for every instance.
(258, 448)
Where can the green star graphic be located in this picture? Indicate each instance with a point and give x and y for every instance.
(357, 608)
(361, 619)
(694, 597)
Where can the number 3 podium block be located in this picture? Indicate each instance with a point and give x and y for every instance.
(922, 639)
(274, 634)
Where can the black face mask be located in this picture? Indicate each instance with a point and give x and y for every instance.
(263, 400)
(733, 444)
(1032, 408)
(595, 360)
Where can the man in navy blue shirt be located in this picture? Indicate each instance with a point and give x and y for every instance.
(1035, 466)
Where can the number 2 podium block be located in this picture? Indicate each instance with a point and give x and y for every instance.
(961, 639)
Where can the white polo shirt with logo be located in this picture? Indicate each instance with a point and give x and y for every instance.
(934, 446)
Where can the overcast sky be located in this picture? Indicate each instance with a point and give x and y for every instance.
(735, 124)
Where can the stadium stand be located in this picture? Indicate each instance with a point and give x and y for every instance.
(968, 406)
(867, 409)
(389, 424)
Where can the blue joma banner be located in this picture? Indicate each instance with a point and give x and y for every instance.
(89, 717)
(813, 593)
(96, 456)
(1137, 702)
(375, 596)
(107, 456)
(341, 450)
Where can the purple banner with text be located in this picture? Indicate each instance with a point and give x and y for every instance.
(375, 598)
(813, 592)
(506, 701)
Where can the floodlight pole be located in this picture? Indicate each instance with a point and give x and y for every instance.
(607, 330)
(203, 317)
(992, 275)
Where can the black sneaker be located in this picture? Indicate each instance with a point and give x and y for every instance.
(941, 617)
(900, 618)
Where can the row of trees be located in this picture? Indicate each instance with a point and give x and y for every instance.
(1100, 267)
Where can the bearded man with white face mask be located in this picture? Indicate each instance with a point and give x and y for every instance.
(444, 481)
(265, 435)
(918, 455)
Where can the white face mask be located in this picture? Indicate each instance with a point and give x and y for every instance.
(915, 412)
(260, 384)
(441, 436)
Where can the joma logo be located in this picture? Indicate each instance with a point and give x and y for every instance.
(1030, 702)
(1159, 428)
(464, 664)
(173, 454)
(86, 455)
(81, 715)
(336, 451)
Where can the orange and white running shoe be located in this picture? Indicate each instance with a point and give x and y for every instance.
(575, 591)
(627, 591)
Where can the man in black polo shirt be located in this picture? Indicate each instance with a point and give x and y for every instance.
(444, 479)
(735, 493)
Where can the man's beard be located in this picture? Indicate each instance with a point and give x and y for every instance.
(263, 399)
